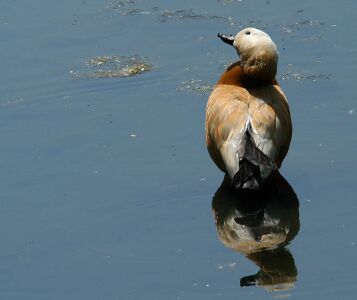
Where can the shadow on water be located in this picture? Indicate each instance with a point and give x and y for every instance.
(260, 224)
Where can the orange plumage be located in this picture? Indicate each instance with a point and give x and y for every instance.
(248, 124)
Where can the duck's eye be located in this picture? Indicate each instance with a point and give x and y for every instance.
(247, 32)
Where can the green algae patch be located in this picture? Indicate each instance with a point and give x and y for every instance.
(113, 67)
(195, 85)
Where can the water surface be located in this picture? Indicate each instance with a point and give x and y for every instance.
(106, 184)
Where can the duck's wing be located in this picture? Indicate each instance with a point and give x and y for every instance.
(226, 120)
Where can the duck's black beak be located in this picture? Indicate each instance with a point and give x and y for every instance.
(229, 39)
(248, 281)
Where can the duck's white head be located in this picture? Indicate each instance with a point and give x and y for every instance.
(258, 53)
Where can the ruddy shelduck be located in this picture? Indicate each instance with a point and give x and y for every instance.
(248, 123)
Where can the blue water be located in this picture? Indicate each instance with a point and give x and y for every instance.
(106, 184)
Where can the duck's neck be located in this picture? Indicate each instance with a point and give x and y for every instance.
(239, 75)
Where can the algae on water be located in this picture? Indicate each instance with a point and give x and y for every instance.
(113, 67)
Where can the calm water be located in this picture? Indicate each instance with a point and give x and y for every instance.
(107, 191)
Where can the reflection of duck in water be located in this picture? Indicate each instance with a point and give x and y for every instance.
(277, 270)
(259, 223)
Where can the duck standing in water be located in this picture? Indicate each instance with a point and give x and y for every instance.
(248, 124)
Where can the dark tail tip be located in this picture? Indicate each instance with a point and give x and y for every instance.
(247, 173)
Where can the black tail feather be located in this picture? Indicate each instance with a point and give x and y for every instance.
(250, 165)
(248, 172)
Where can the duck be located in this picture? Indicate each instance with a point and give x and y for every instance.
(248, 126)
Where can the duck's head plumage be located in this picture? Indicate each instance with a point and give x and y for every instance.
(258, 53)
